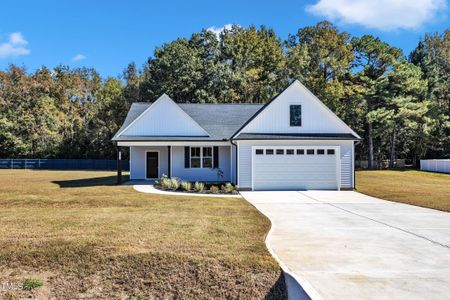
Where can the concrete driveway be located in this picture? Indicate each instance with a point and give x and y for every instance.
(346, 245)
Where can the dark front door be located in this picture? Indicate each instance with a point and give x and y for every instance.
(152, 164)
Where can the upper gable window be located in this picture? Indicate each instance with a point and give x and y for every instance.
(295, 112)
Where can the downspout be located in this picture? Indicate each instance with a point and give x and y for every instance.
(236, 160)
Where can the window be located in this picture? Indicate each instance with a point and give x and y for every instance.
(201, 157)
(269, 151)
(280, 151)
(300, 151)
(207, 157)
(310, 151)
(259, 151)
(295, 112)
(290, 151)
(330, 151)
(320, 151)
(195, 157)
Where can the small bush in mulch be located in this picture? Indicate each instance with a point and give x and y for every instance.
(199, 187)
(214, 189)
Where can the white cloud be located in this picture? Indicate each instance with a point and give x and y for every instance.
(15, 46)
(16, 38)
(379, 14)
(78, 57)
(218, 30)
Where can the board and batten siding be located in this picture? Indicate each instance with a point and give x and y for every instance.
(201, 174)
(138, 157)
(245, 158)
(316, 117)
(164, 118)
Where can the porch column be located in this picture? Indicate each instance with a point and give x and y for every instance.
(119, 165)
(169, 163)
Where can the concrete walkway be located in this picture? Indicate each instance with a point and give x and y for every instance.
(346, 245)
(150, 189)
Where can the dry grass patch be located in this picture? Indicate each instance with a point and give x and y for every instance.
(413, 187)
(86, 237)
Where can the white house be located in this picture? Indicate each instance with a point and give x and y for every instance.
(292, 142)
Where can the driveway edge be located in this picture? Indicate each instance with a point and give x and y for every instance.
(298, 288)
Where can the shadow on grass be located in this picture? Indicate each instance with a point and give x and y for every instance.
(89, 182)
(278, 290)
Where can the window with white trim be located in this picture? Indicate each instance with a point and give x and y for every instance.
(196, 157)
(207, 157)
(202, 157)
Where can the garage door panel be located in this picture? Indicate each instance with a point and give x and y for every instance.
(284, 172)
(297, 167)
(297, 173)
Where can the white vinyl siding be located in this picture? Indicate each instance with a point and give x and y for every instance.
(137, 164)
(245, 158)
(138, 161)
(164, 118)
(200, 174)
(316, 117)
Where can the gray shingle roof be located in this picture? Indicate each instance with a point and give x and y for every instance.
(221, 121)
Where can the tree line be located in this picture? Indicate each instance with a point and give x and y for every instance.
(399, 104)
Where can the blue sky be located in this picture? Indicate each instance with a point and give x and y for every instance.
(107, 35)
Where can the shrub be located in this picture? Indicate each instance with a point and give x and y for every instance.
(174, 183)
(199, 186)
(164, 182)
(29, 284)
(228, 188)
(214, 189)
(186, 185)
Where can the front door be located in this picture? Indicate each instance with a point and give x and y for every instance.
(152, 165)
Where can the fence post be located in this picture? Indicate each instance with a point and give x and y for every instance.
(12, 163)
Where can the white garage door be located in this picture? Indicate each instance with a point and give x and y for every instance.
(295, 168)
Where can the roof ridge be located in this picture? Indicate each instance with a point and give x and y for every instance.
(188, 103)
(222, 103)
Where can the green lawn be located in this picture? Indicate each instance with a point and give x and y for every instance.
(409, 186)
(85, 237)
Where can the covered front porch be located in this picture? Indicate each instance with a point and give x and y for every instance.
(193, 161)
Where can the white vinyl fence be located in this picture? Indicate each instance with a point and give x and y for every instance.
(435, 165)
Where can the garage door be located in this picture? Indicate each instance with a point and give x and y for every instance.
(295, 168)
